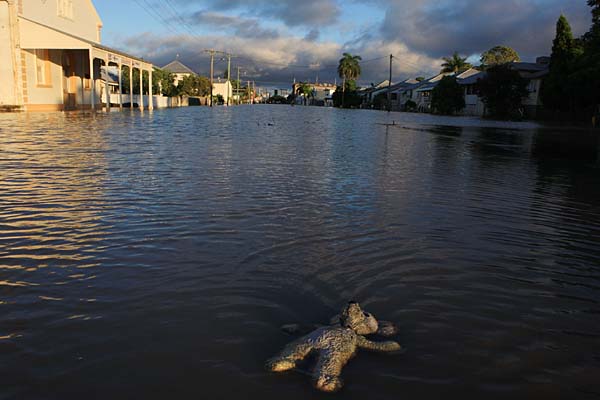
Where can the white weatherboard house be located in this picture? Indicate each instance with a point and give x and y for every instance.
(52, 56)
(224, 89)
(178, 69)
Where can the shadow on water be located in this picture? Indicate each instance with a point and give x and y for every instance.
(578, 146)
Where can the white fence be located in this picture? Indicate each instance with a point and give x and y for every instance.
(157, 101)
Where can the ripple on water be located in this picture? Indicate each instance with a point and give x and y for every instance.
(174, 244)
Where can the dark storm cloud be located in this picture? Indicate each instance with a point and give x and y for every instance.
(417, 32)
(291, 12)
(245, 27)
(472, 26)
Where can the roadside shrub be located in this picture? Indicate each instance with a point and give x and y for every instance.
(448, 97)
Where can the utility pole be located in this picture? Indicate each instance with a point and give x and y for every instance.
(212, 68)
(239, 98)
(389, 93)
(228, 77)
(229, 57)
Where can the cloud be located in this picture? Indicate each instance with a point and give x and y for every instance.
(312, 13)
(277, 41)
(438, 28)
(312, 35)
(238, 26)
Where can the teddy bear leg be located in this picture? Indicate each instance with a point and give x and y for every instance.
(327, 372)
(287, 359)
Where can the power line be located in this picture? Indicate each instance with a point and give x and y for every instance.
(169, 9)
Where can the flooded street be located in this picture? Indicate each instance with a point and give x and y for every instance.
(156, 255)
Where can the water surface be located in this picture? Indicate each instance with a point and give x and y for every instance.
(156, 255)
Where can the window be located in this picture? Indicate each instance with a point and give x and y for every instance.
(532, 87)
(394, 96)
(42, 68)
(65, 8)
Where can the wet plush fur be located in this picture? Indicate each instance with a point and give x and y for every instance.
(335, 345)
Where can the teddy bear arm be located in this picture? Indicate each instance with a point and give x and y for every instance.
(289, 356)
(382, 347)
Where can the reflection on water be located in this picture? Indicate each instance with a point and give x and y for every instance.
(156, 255)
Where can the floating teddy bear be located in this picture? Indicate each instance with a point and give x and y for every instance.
(335, 345)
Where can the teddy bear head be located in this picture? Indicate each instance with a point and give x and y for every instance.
(359, 321)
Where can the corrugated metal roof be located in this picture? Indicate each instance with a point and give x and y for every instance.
(177, 67)
(472, 79)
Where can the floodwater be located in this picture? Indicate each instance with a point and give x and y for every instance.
(156, 255)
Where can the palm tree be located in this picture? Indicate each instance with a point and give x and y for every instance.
(348, 69)
(306, 90)
(455, 64)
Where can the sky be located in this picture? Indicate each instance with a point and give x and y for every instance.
(277, 41)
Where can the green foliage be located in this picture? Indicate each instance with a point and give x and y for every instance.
(218, 99)
(349, 67)
(420, 78)
(380, 101)
(194, 85)
(410, 105)
(235, 84)
(351, 86)
(456, 64)
(164, 82)
(277, 100)
(556, 92)
(503, 91)
(305, 90)
(572, 87)
(499, 55)
(595, 31)
(126, 78)
(349, 99)
(349, 70)
(448, 96)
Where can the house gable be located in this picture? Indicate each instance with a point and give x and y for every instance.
(76, 17)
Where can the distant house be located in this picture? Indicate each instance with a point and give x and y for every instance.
(532, 72)
(422, 93)
(178, 69)
(368, 94)
(473, 104)
(52, 56)
(322, 93)
(224, 89)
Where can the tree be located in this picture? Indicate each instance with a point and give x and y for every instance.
(448, 97)
(348, 69)
(556, 92)
(277, 100)
(585, 79)
(306, 90)
(194, 85)
(455, 64)
(164, 82)
(380, 102)
(593, 35)
(348, 98)
(503, 91)
(499, 55)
